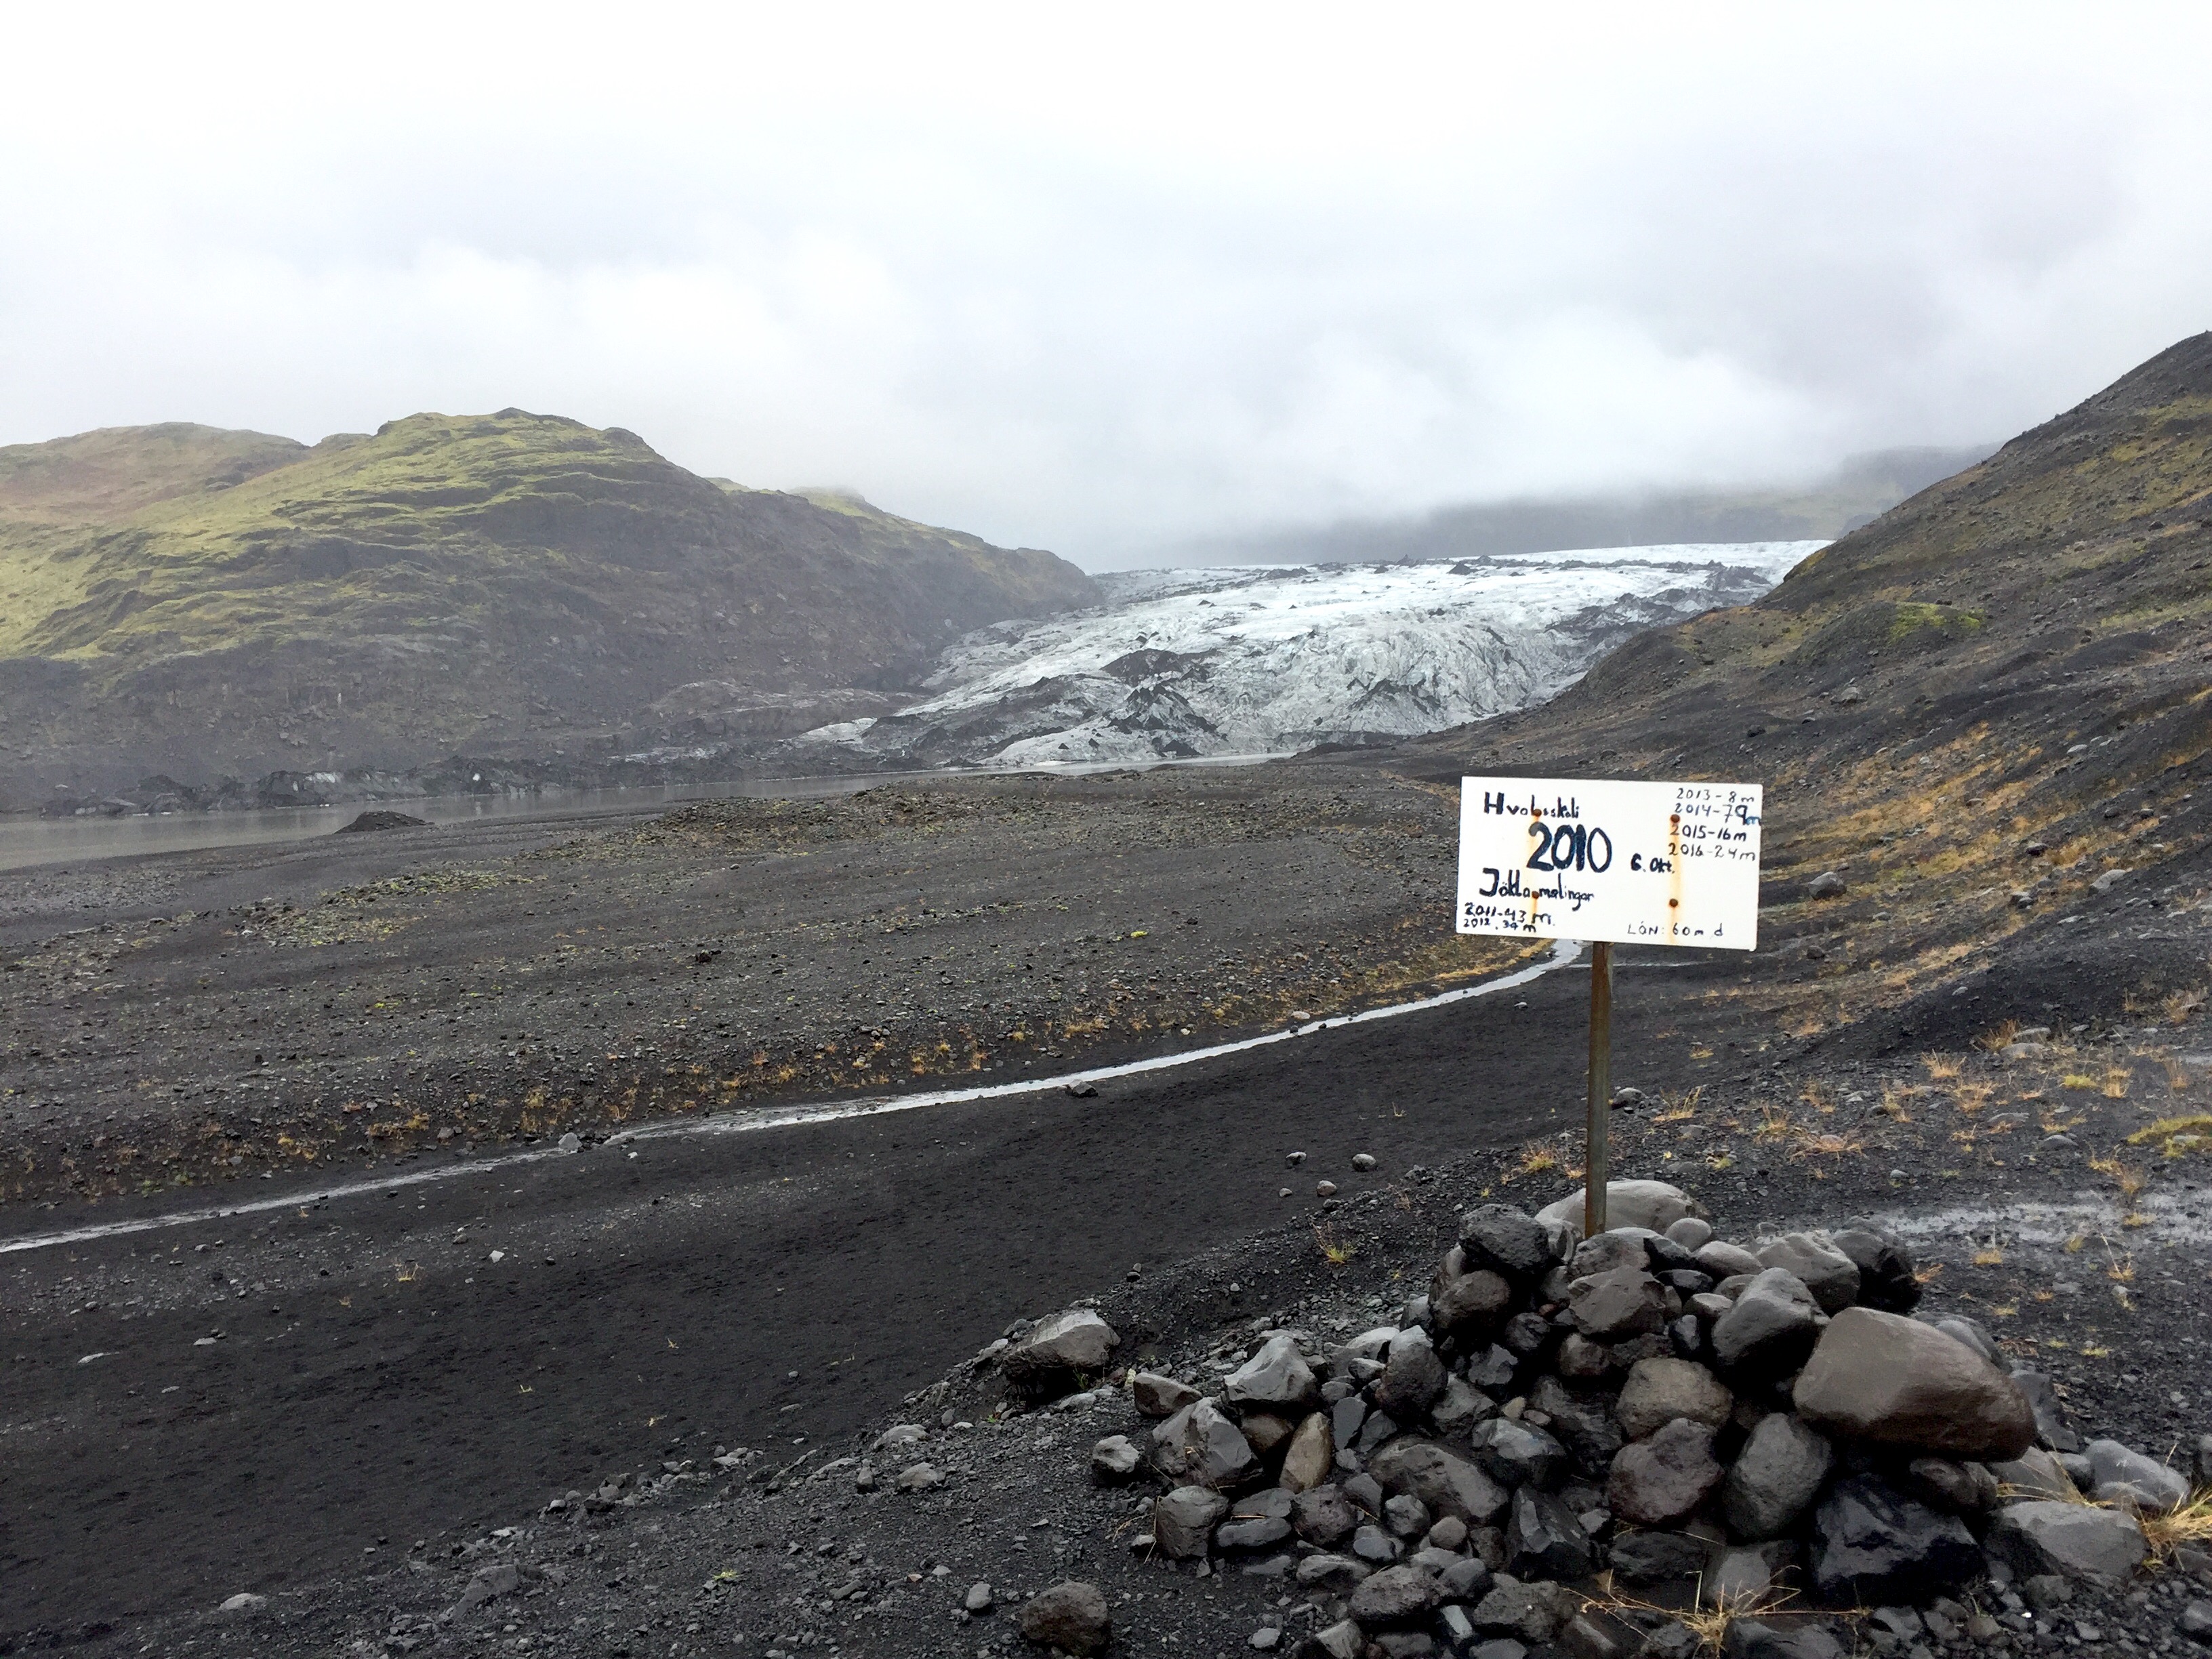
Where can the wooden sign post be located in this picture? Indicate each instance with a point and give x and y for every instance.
(1613, 863)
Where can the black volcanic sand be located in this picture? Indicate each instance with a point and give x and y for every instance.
(403, 1386)
(659, 1337)
(198, 1018)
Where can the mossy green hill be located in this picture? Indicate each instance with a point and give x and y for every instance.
(181, 599)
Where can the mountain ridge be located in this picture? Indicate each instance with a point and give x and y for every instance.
(493, 583)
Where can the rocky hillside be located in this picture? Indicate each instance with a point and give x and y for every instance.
(178, 600)
(1984, 714)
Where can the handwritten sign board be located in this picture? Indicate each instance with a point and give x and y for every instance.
(1628, 863)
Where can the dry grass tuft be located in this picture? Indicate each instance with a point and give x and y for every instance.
(1989, 1256)
(1827, 1146)
(2188, 1527)
(1678, 1108)
(1334, 1250)
(1941, 1068)
(2181, 1005)
(1708, 1621)
(2176, 1135)
(2129, 1179)
(1773, 1123)
(1536, 1159)
(1998, 1037)
(2116, 1082)
(1971, 1098)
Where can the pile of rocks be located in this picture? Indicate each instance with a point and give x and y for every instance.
(1707, 1422)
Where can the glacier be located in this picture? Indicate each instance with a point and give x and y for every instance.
(1259, 660)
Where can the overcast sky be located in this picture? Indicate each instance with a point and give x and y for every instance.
(1105, 280)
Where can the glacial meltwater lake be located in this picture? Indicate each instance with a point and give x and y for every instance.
(28, 842)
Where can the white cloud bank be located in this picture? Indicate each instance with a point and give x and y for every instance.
(1101, 282)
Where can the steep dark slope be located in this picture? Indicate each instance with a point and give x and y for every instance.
(1974, 708)
(511, 582)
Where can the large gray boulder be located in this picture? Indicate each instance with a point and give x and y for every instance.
(1608, 1306)
(1200, 1446)
(1651, 1204)
(1775, 1477)
(1831, 1275)
(1077, 1343)
(1660, 1481)
(1896, 1381)
(1184, 1521)
(1504, 1240)
(1660, 1390)
(1413, 1377)
(1070, 1617)
(1771, 1328)
(1446, 1483)
(2121, 1474)
(2074, 1540)
(1875, 1546)
(1275, 1377)
(1395, 1595)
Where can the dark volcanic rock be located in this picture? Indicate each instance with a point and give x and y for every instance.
(1275, 1376)
(1413, 1377)
(1184, 1520)
(1543, 1539)
(2053, 1428)
(1775, 1477)
(1324, 1516)
(1651, 1558)
(1823, 1269)
(1660, 1390)
(1077, 1343)
(1446, 1483)
(1585, 1427)
(1886, 1267)
(1661, 1480)
(1874, 1545)
(1505, 1240)
(1395, 1595)
(2074, 1540)
(1199, 1445)
(1472, 1304)
(1517, 1455)
(1771, 1328)
(1625, 1302)
(1070, 1616)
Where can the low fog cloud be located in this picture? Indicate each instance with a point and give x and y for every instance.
(1110, 282)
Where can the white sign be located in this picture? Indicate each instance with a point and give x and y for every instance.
(1631, 863)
